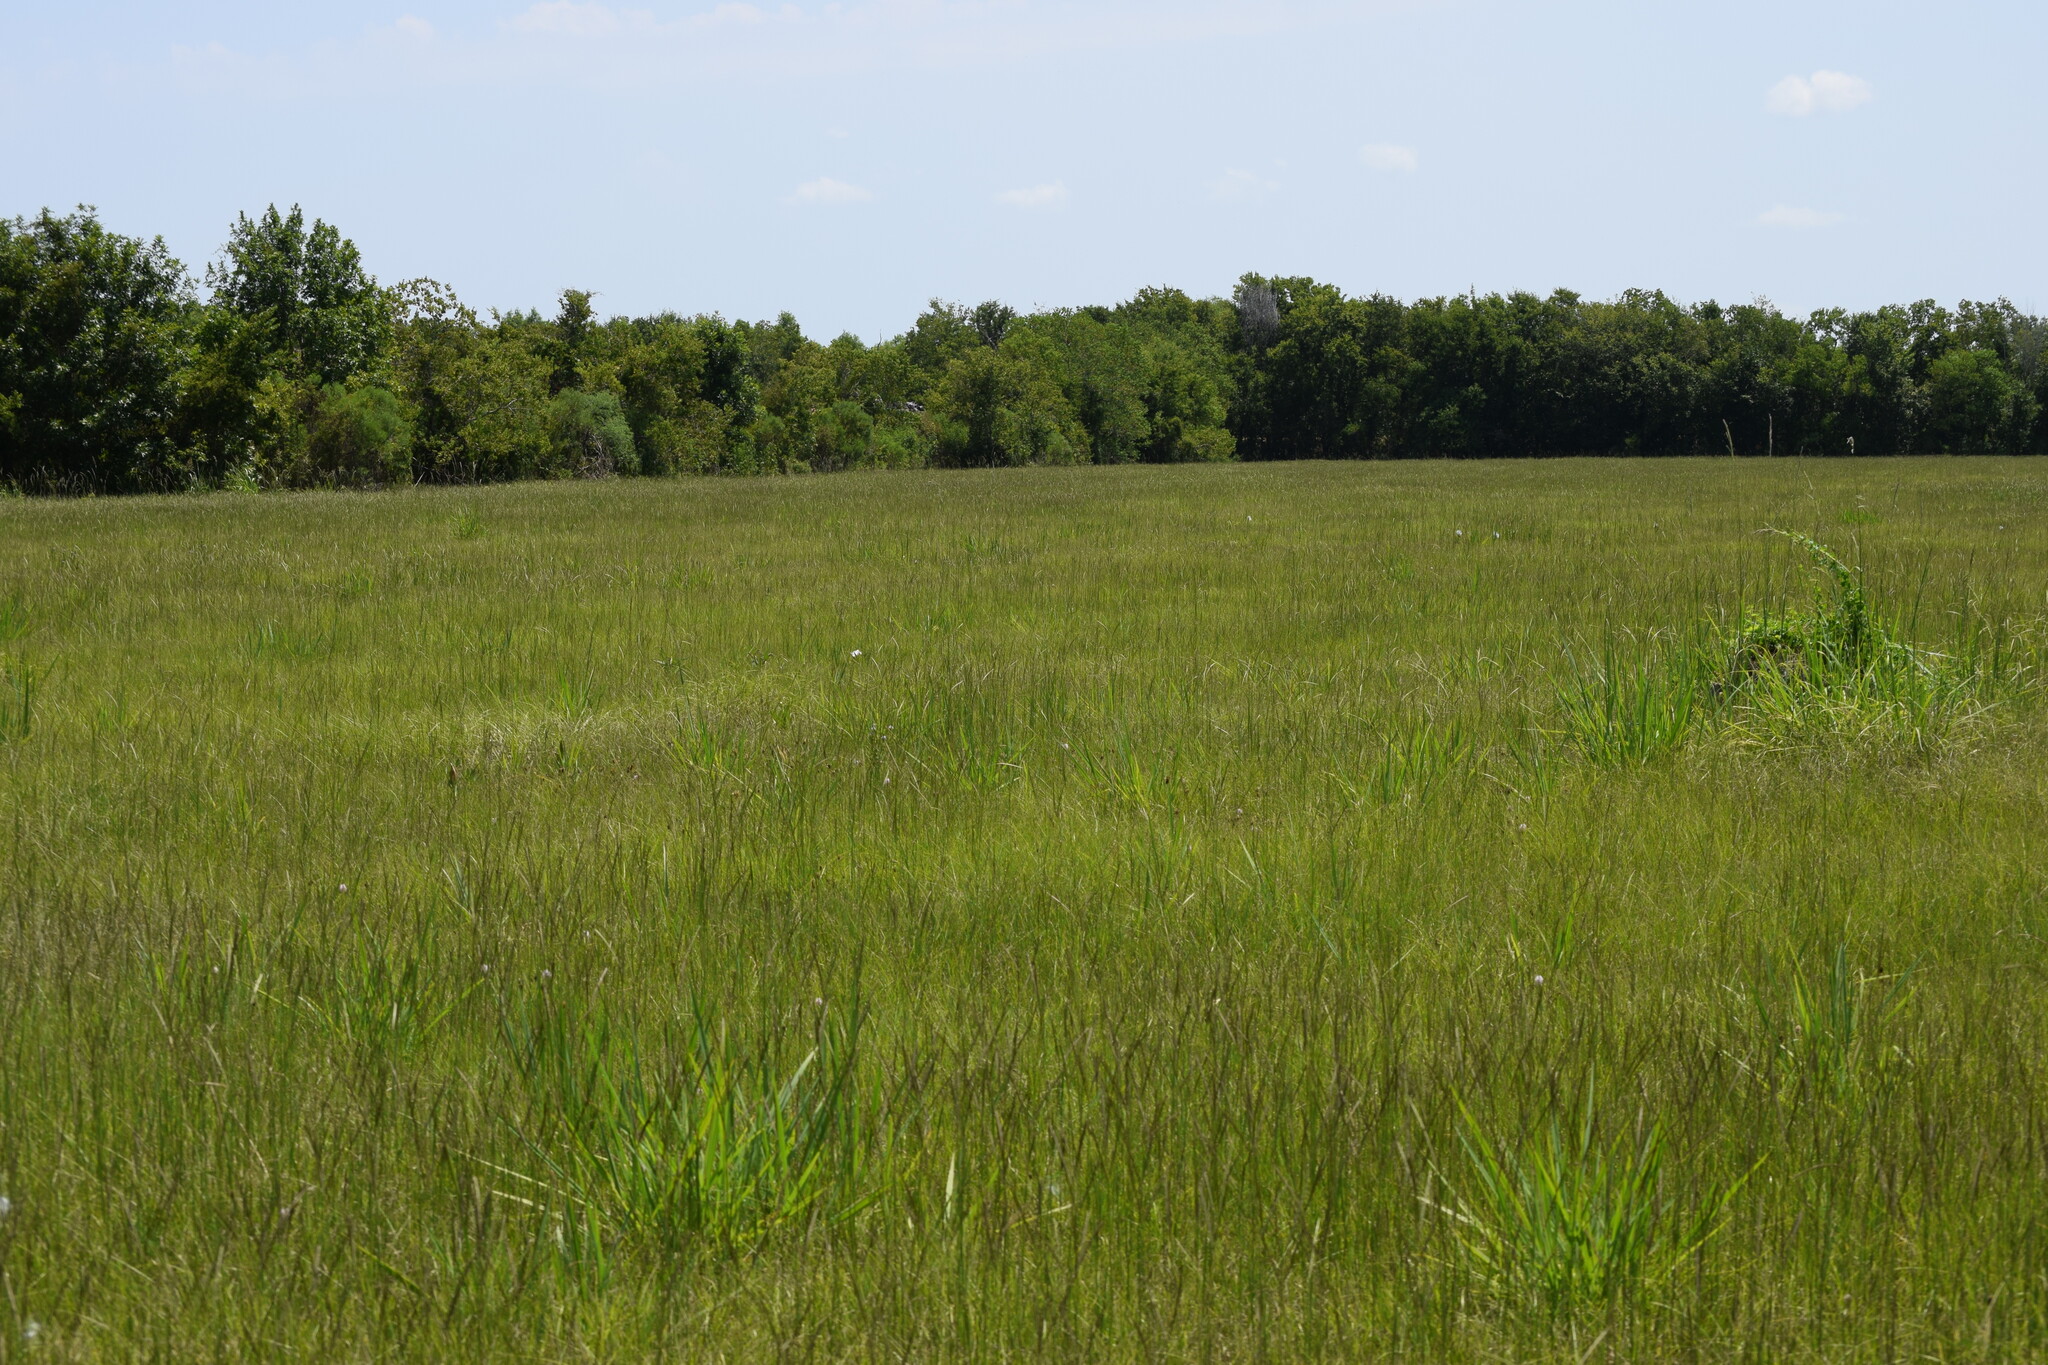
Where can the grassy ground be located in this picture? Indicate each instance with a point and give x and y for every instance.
(1226, 913)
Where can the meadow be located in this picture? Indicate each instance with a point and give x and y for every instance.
(1328, 911)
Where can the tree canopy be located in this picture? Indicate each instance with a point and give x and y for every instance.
(299, 368)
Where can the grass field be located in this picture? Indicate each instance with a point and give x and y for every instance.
(1257, 912)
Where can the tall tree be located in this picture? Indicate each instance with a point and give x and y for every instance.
(324, 316)
(93, 327)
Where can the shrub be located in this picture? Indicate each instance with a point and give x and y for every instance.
(588, 436)
(358, 437)
(696, 441)
(1568, 1221)
(843, 437)
(718, 1147)
(1000, 409)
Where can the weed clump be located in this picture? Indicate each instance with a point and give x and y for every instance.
(1835, 667)
(719, 1149)
(1569, 1221)
(1835, 642)
(1840, 666)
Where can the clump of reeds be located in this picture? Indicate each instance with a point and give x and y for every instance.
(1568, 1221)
(1842, 666)
(716, 1149)
(1838, 665)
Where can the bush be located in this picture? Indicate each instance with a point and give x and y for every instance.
(844, 434)
(1003, 410)
(359, 437)
(588, 436)
(698, 441)
(904, 441)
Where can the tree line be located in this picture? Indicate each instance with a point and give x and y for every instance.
(296, 368)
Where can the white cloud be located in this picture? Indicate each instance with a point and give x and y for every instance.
(620, 49)
(574, 19)
(1824, 92)
(1237, 184)
(826, 190)
(1385, 156)
(730, 14)
(1036, 197)
(1786, 216)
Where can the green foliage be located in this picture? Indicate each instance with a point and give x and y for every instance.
(1000, 408)
(843, 437)
(1829, 1027)
(17, 701)
(324, 316)
(482, 402)
(1837, 640)
(588, 435)
(1840, 665)
(1568, 1222)
(718, 1149)
(112, 377)
(1785, 676)
(1631, 710)
(359, 436)
(92, 338)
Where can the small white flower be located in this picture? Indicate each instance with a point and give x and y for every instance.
(1539, 980)
(31, 1330)
(856, 654)
(1457, 533)
(344, 888)
(546, 975)
(6, 1206)
(1496, 535)
(487, 969)
(1522, 827)
(818, 1000)
(885, 781)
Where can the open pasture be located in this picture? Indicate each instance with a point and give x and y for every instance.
(1246, 912)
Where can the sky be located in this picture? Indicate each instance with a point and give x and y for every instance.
(849, 161)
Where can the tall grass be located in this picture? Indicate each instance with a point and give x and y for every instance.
(1569, 1223)
(1839, 667)
(721, 1149)
(1052, 914)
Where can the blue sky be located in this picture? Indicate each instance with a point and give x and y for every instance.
(848, 161)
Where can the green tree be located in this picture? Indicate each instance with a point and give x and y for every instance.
(356, 437)
(1975, 406)
(93, 331)
(480, 394)
(1001, 409)
(570, 347)
(991, 321)
(327, 319)
(588, 435)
